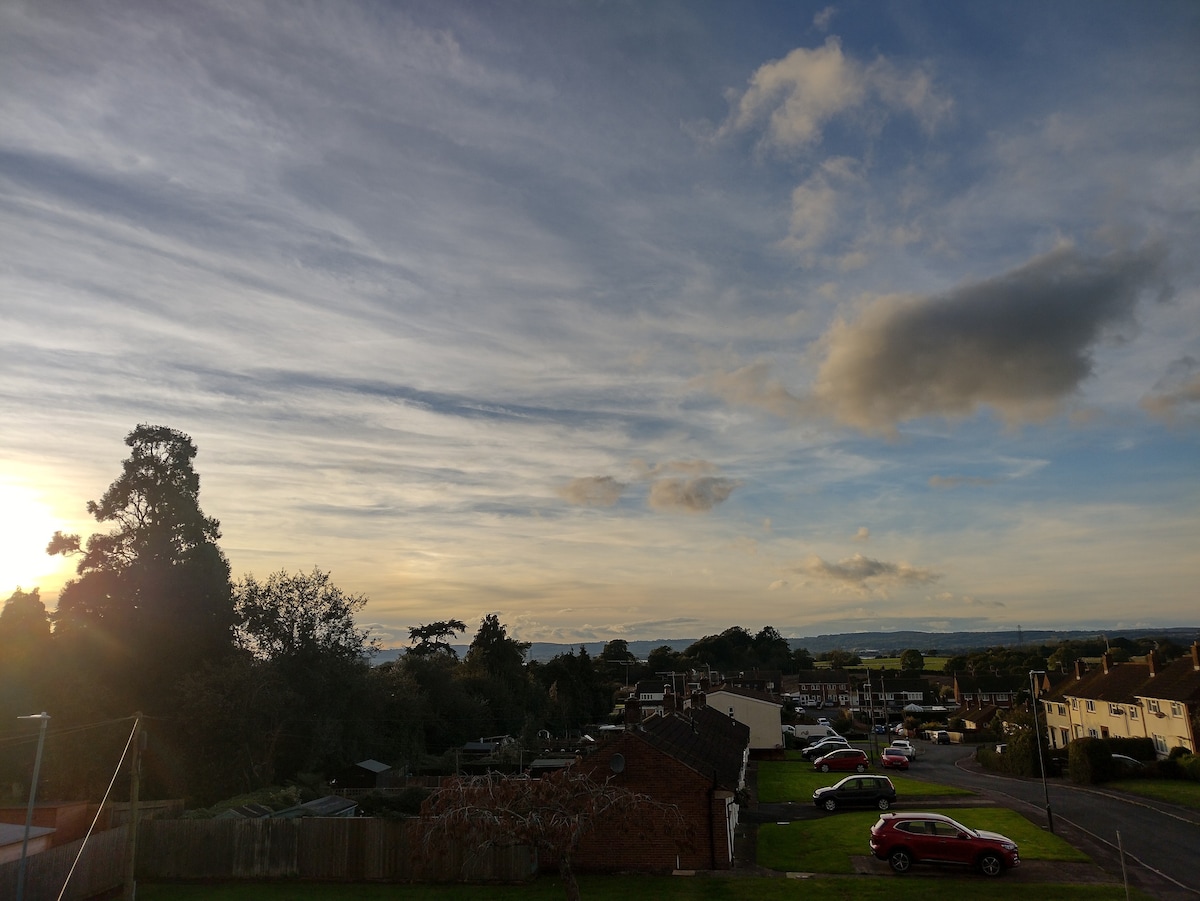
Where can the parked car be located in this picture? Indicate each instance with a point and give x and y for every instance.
(857, 791)
(1123, 763)
(822, 721)
(906, 747)
(824, 746)
(941, 737)
(903, 839)
(843, 759)
(893, 759)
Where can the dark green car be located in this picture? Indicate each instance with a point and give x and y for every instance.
(857, 791)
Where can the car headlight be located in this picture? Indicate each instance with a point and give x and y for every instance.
(1008, 846)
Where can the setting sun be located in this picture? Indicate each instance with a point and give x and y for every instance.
(26, 524)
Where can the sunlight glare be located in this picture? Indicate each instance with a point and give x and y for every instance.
(26, 525)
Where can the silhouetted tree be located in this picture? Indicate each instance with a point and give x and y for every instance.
(153, 598)
(912, 660)
(435, 637)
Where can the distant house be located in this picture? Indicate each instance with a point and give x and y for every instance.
(758, 711)
(366, 774)
(821, 688)
(694, 761)
(1128, 700)
(987, 691)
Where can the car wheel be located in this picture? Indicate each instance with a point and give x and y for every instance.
(900, 861)
(990, 864)
(824, 768)
(830, 804)
(883, 803)
(860, 768)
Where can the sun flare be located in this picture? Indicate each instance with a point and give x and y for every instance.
(26, 524)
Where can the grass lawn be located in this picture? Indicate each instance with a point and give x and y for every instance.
(1173, 791)
(787, 780)
(826, 845)
(660, 888)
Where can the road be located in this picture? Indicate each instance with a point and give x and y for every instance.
(1161, 841)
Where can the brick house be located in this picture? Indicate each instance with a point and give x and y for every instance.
(987, 691)
(696, 762)
(821, 688)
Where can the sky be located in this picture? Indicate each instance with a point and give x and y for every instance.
(620, 319)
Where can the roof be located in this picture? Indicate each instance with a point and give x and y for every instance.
(748, 693)
(1123, 682)
(373, 765)
(708, 742)
(11, 834)
(328, 806)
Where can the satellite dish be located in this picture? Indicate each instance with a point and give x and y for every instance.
(616, 763)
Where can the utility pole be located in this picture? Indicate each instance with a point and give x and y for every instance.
(37, 768)
(135, 783)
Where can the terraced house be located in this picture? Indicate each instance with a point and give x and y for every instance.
(1129, 700)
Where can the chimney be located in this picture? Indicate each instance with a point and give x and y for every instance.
(1152, 663)
(1106, 662)
(1196, 656)
(633, 711)
(1080, 669)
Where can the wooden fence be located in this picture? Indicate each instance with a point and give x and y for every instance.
(100, 869)
(333, 849)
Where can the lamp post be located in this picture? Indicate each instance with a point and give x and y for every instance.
(1037, 737)
(37, 767)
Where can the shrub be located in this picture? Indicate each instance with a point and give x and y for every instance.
(1089, 761)
(1137, 748)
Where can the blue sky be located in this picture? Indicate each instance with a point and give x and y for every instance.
(621, 319)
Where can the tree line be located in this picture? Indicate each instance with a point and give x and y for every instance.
(252, 682)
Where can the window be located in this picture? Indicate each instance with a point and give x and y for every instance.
(1093, 733)
(1116, 710)
(1133, 712)
(1176, 709)
(1091, 706)
(1152, 705)
(1074, 703)
(1160, 744)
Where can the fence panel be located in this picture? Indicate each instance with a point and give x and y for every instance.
(100, 869)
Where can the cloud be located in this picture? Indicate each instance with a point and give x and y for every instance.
(1020, 342)
(864, 574)
(863, 534)
(959, 481)
(592, 491)
(691, 495)
(753, 386)
(1176, 392)
(792, 99)
(823, 19)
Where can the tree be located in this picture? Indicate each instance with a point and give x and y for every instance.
(494, 670)
(153, 596)
(494, 652)
(552, 814)
(301, 627)
(434, 638)
(912, 660)
(840, 659)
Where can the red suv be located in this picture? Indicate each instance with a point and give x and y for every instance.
(903, 839)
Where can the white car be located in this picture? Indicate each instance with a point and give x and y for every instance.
(907, 747)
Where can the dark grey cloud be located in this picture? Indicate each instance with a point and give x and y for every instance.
(691, 495)
(1021, 342)
(864, 573)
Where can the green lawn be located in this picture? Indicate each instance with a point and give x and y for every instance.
(1173, 791)
(660, 888)
(826, 845)
(787, 780)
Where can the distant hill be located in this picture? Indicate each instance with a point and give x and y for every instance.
(886, 643)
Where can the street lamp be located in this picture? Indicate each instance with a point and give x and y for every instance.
(1037, 737)
(37, 767)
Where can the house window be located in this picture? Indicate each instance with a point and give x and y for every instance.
(1133, 713)
(1160, 744)
(1093, 733)
(1091, 706)
(1152, 705)
(1062, 709)
(1115, 710)
(1074, 703)
(1176, 709)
